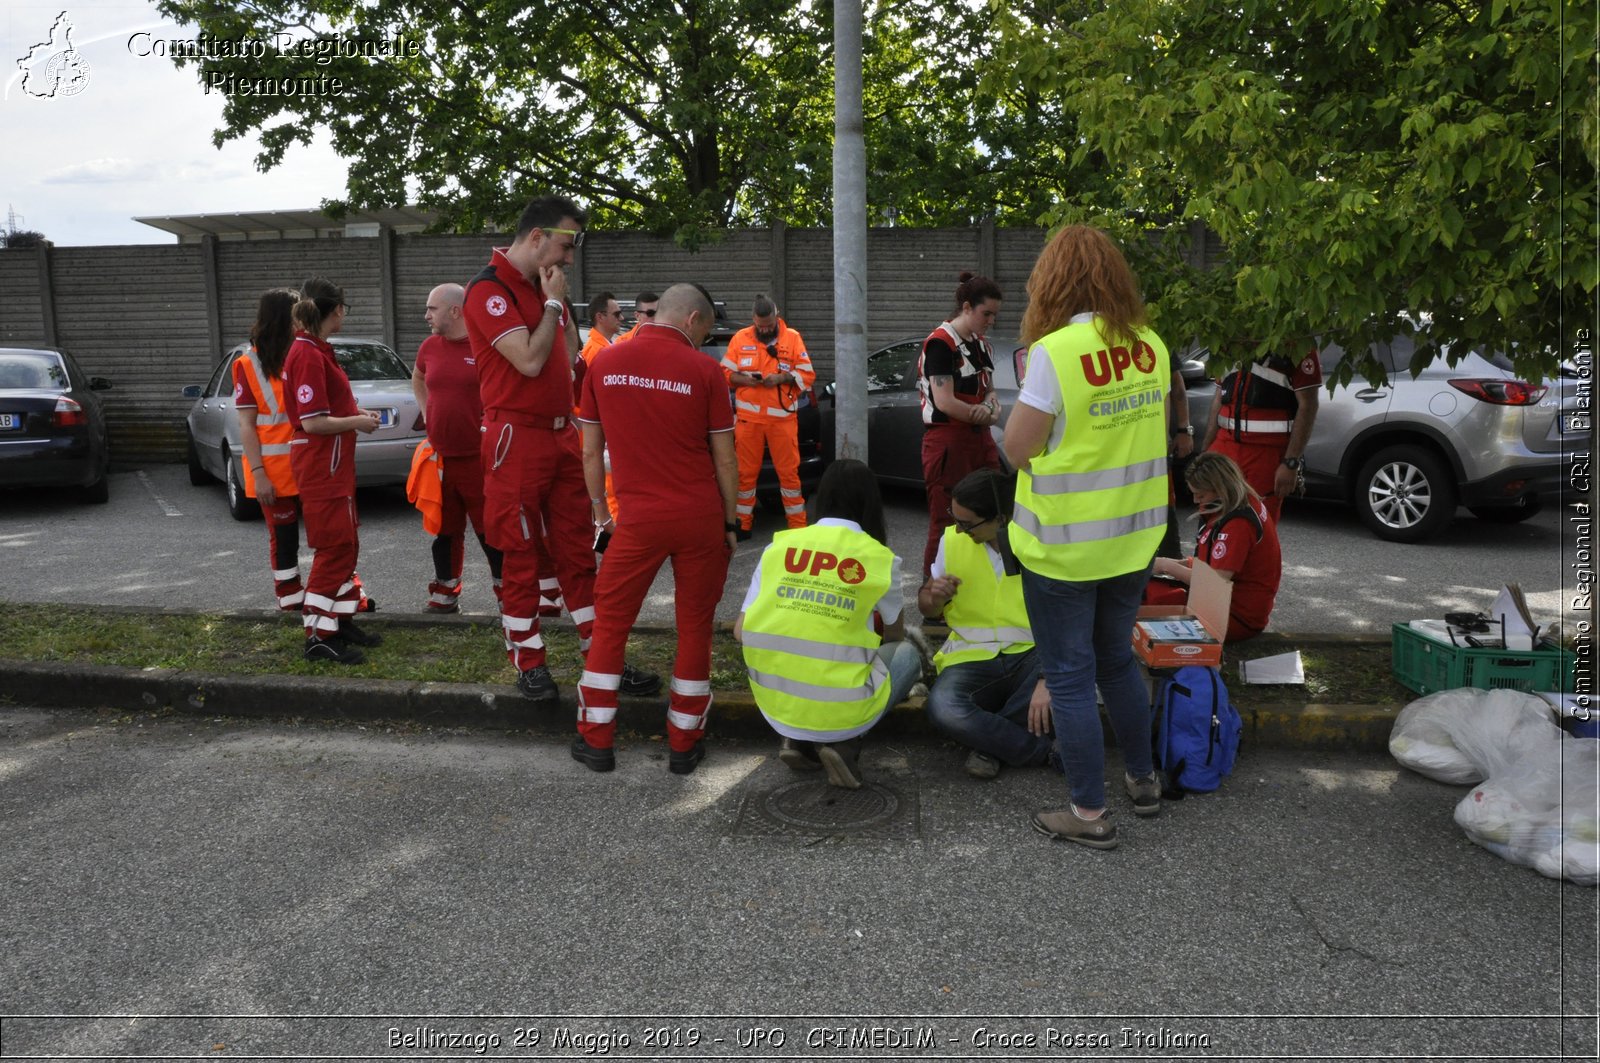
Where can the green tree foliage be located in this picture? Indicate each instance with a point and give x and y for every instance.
(22, 238)
(1362, 161)
(680, 119)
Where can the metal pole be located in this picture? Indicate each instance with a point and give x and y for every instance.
(849, 235)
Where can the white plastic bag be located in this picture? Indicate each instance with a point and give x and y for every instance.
(1462, 736)
(1539, 788)
(1541, 812)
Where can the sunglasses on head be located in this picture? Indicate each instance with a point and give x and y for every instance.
(576, 234)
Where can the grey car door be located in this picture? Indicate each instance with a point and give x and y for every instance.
(1342, 416)
(210, 421)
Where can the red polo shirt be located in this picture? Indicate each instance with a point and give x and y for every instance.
(659, 399)
(1257, 568)
(455, 408)
(313, 384)
(494, 309)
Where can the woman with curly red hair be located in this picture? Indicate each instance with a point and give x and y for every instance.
(1089, 439)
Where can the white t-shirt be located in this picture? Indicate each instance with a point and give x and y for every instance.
(990, 550)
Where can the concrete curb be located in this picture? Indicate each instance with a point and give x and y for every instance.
(66, 685)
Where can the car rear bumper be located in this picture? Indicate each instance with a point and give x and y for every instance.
(385, 461)
(1508, 486)
(48, 462)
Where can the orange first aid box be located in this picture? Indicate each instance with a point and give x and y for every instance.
(1209, 598)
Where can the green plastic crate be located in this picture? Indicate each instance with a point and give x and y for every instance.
(1426, 665)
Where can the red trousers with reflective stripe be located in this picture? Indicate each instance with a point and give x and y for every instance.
(529, 475)
(331, 590)
(283, 547)
(1259, 462)
(461, 498)
(949, 453)
(698, 549)
(782, 438)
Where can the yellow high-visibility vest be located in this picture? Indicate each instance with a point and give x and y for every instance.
(987, 616)
(810, 649)
(1096, 506)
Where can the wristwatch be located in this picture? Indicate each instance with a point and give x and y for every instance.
(730, 525)
(1186, 430)
(1295, 463)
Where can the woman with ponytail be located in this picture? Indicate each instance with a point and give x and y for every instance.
(323, 411)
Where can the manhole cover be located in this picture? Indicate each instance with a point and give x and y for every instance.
(813, 807)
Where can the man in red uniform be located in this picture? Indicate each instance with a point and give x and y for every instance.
(662, 409)
(445, 382)
(767, 367)
(1262, 417)
(532, 465)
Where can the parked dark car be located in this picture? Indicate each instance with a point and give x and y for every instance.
(894, 410)
(52, 423)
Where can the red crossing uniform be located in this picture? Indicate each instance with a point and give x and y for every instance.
(658, 400)
(532, 463)
(325, 471)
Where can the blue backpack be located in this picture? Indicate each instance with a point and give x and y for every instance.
(1197, 731)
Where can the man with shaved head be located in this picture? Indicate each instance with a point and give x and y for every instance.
(445, 382)
(662, 408)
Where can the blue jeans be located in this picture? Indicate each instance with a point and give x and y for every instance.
(984, 706)
(1085, 638)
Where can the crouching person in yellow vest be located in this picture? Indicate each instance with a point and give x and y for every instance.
(822, 631)
(990, 695)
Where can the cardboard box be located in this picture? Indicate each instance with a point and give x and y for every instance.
(1209, 598)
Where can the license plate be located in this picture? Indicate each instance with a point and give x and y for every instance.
(1575, 422)
(386, 416)
(10, 421)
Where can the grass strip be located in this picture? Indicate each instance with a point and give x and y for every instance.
(1336, 673)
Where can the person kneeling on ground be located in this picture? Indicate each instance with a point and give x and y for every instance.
(822, 630)
(1239, 540)
(990, 694)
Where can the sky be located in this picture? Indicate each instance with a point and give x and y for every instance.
(134, 139)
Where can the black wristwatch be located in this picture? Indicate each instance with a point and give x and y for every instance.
(1186, 430)
(730, 525)
(1295, 463)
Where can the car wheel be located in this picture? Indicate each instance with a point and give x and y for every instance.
(1405, 494)
(197, 472)
(1508, 514)
(99, 492)
(241, 505)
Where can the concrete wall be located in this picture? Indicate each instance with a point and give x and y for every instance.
(153, 318)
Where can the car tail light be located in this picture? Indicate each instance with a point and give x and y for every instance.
(68, 413)
(1500, 392)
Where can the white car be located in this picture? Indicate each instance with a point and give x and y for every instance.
(381, 382)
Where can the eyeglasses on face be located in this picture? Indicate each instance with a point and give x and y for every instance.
(968, 525)
(647, 313)
(576, 234)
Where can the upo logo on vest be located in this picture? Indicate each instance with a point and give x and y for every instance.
(849, 570)
(1098, 369)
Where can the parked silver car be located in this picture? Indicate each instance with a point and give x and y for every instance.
(894, 411)
(1406, 454)
(381, 382)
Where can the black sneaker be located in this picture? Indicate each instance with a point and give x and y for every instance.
(332, 649)
(743, 535)
(638, 683)
(592, 758)
(349, 632)
(684, 762)
(536, 684)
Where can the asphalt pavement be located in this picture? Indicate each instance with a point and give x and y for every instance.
(265, 890)
(163, 542)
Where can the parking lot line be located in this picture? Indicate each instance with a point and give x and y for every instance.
(166, 507)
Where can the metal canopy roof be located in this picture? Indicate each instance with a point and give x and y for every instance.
(276, 224)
